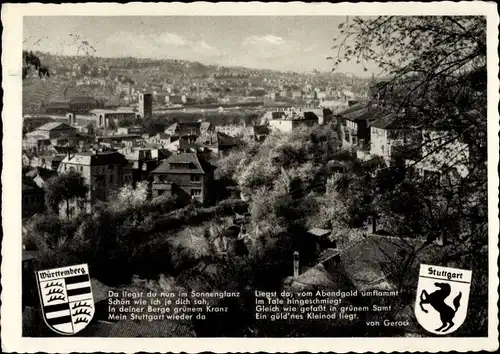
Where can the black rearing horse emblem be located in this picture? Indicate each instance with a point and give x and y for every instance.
(436, 300)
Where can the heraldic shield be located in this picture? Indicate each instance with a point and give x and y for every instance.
(442, 298)
(66, 298)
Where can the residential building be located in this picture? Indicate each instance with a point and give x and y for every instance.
(161, 98)
(335, 105)
(177, 99)
(321, 96)
(87, 129)
(54, 130)
(356, 122)
(81, 141)
(365, 262)
(220, 143)
(236, 130)
(50, 162)
(51, 134)
(103, 172)
(322, 238)
(260, 132)
(186, 173)
(143, 161)
(273, 115)
(120, 140)
(188, 143)
(36, 143)
(285, 93)
(163, 139)
(293, 120)
(441, 152)
(134, 130)
(391, 137)
(27, 157)
(189, 128)
(328, 117)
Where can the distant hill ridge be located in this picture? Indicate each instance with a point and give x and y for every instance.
(193, 67)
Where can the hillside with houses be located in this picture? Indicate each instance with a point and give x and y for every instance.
(118, 81)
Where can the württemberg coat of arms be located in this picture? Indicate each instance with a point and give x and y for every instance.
(66, 298)
(442, 298)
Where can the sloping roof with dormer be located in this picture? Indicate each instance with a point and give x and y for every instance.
(197, 164)
(96, 158)
(55, 126)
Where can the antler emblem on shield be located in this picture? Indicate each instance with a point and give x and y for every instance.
(442, 298)
(66, 298)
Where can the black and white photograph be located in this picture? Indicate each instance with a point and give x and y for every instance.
(256, 176)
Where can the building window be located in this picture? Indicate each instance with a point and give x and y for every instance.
(195, 178)
(111, 178)
(195, 192)
(81, 168)
(180, 166)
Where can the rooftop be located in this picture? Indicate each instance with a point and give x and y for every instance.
(363, 112)
(55, 126)
(199, 166)
(35, 137)
(41, 172)
(163, 136)
(318, 232)
(188, 127)
(315, 276)
(226, 140)
(97, 158)
(371, 260)
(389, 121)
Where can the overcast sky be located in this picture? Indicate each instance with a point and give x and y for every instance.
(296, 43)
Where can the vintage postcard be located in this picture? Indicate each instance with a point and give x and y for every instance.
(243, 177)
